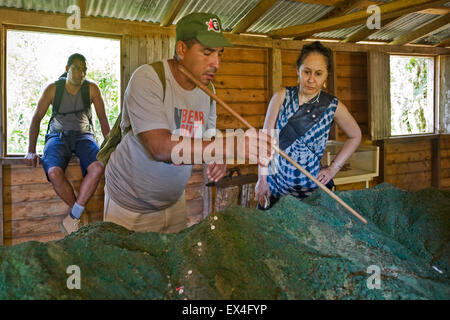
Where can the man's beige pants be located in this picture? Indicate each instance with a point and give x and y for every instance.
(170, 220)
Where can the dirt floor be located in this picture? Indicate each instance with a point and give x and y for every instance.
(313, 249)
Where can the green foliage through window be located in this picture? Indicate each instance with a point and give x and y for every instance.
(412, 92)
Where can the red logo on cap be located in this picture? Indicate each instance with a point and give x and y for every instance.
(213, 25)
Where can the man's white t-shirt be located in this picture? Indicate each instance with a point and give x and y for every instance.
(134, 180)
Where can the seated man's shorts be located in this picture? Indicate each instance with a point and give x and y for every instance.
(59, 148)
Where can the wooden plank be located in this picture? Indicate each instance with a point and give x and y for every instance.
(408, 167)
(251, 55)
(225, 197)
(275, 71)
(436, 162)
(45, 237)
(20, 175)
(240, 82)
(407, 147)
(427, 29)
(247, 109)
(247, 69)
(423, 155)
(379, 95)
(444, 43)
(125, 65)
(411, 181)
(36, 226)
(230, 122)
(46, 208)
(82, 5)
(172, 12)
(387, 10)
(239, 95)
(253, 15)
(350, 58)
(248, 198)
(33, 192)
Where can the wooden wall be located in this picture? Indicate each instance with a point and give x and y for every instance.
(408, 163)
(32, 210)
(445, 162)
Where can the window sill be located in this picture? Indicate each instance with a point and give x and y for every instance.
(415, 137)
(18, 160)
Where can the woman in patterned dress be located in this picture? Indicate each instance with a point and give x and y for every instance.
(303, 115)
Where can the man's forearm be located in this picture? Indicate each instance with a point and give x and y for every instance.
(33, 135)
(104, 124)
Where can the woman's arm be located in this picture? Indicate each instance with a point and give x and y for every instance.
(351, 129)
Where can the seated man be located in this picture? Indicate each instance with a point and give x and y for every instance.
(70, 131)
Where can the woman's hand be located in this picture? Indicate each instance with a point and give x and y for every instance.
(262, 189)
(326, 174)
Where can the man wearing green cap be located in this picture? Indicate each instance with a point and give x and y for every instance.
(144, 190)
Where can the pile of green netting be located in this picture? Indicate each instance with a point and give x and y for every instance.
(313, 249)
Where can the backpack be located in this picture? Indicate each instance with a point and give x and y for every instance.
(85, 95)
(115, 135)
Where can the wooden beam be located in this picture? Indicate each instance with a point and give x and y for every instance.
(423, 31)
(56, 21)
(253, 15)
(172, 12)
(437, 11)
(275, 71)
(365, 32)
(388, 10)
(444, 43)
(82, 5)
(436, 162)
(341, 8)
(364, 3)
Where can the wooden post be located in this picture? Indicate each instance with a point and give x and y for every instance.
(436, 162)
(379, 95)
(275, 71)
(332, 88)
(2, 104)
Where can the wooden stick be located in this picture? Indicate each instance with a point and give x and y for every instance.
(284, 155)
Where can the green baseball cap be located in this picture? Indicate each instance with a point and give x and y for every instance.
(205, 27)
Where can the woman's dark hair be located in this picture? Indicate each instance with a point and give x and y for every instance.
(316, 46)
(72, 58)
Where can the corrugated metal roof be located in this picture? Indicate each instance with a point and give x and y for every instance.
(55, 6)
(288, 13)
(229, 12)
(404, 25)
(135, 10)
(339, 34)
(283, 14)
(435, 38)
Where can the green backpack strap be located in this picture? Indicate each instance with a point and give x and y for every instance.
(115, 134)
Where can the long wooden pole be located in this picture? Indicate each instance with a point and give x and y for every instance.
(284, 155)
